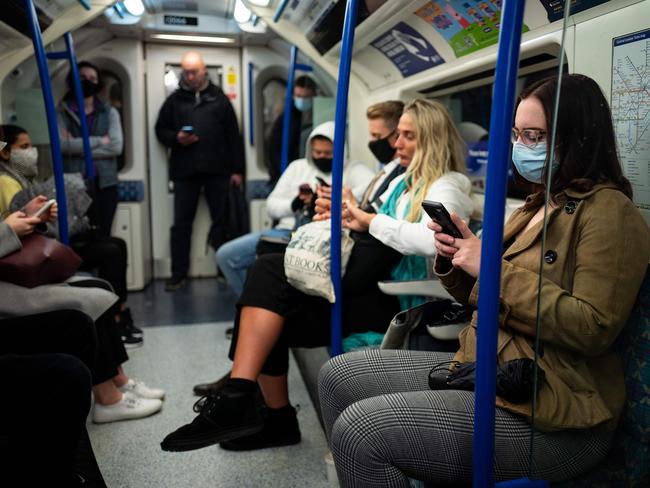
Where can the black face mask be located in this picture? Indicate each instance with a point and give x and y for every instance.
(89, 88)
(382, 149)
(324, 164)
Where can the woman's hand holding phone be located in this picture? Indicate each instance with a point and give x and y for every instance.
(21, 224)
(465, 252)
(42, 208)
(356, 219)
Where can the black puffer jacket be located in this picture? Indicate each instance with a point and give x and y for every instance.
(220, 148)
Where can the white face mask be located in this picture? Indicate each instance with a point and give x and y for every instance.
(25, 161)
(2, 145)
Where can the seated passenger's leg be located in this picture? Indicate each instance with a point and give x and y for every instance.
(351, 377)
(235, 257)
(112, 404)
(42, 434)
(381, 440)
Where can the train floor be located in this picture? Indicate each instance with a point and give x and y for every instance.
(175, 356)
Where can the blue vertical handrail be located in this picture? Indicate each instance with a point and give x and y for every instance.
(85, 4)
(50, 111)
(280, 10)
(83, 121)
(251, 94)
(492, 240)
(345, 65)
(288, 105)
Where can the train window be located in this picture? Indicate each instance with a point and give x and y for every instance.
(273, 99)
(470, 110)
(113, 93)
(173, 76)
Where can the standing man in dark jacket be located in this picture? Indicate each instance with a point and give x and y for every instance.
(198, 124)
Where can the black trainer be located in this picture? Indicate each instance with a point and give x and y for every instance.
(128, 339)
(175, 282)
(229, 414)
(280, 429)
(126, 320)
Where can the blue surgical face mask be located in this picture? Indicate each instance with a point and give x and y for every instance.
(530, 161)
(303, 104)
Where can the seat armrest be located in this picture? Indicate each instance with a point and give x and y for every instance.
(429, 288)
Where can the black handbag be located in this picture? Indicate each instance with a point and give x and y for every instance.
(514, 379)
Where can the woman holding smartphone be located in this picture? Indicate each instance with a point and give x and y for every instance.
(274, 316)
(391, 426)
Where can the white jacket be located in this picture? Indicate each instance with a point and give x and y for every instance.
(452, 190)
(278, 205)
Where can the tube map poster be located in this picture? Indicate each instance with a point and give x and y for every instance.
(466, 25)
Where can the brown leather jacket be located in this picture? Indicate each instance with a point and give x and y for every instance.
(596, 255)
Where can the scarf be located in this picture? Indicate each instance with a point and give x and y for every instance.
(410, 267)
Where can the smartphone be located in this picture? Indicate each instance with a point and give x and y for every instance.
(44, 208)
(440, 216)
(322, 182)
(188, 128)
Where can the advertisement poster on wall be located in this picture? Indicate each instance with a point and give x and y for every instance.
(407, 49)
(466, 25)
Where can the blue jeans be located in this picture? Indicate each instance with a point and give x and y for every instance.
(236, 256)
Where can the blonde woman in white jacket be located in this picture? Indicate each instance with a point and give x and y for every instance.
(274, 316)
(235, 257)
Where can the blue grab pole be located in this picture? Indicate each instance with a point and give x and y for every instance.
(288, 104)
(280, 10)
(85, 4)
(491, 245)
(55, 143)
(337, 172)
(85, 134)
(251, 95)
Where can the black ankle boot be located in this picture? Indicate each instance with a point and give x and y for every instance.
(230, 414)
(280, 429)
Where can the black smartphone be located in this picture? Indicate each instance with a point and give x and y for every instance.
(440, 216)
(322, 182)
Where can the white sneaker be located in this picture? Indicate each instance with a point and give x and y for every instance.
(143, 391)
(129, 407)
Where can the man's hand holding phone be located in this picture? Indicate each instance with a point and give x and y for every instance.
(186, 136)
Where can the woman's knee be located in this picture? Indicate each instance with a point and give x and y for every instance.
(336, 372)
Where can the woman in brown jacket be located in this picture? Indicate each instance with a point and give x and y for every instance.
(382, 421)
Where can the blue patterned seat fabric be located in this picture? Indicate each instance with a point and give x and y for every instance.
(628, 464)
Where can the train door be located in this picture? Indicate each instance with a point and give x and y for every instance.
(163, 69)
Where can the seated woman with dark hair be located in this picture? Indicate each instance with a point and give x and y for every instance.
(106, 254)
(117, 397)
(383, 422)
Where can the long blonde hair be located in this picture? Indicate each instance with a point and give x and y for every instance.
(440, 149)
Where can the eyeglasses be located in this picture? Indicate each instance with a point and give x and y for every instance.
(529, 137)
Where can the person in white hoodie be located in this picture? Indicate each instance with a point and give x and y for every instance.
(294, 191)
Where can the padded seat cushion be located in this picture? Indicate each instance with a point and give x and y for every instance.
(628, 464)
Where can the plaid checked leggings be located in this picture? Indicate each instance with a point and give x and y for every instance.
(385, 425)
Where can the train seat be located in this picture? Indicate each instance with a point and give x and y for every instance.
(628, 464)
